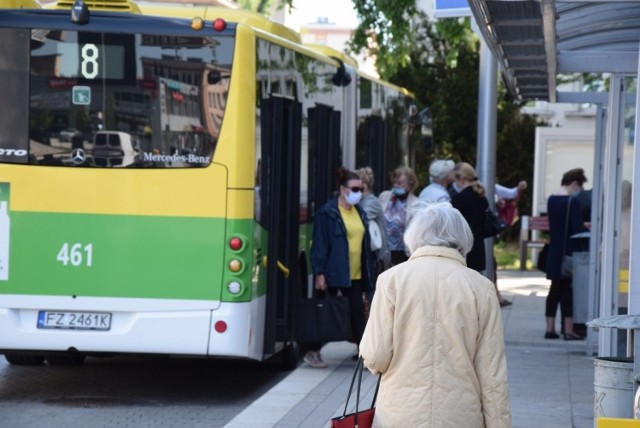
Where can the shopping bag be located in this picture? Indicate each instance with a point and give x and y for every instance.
(542, 258)
(375, 236)
(360, 418)
(321, 320)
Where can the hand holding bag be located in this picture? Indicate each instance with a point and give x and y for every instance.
(360, 418)
(321, 320)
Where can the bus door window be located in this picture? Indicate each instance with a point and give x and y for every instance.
(325, 154)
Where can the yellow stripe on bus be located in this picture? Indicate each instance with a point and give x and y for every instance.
(236, 148)
(193, 192)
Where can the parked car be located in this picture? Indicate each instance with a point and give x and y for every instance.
(115, 148)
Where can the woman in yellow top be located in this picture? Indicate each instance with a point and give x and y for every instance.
(341, 254)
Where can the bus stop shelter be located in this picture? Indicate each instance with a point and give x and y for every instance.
(535, 44)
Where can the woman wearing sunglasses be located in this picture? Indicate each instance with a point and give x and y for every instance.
(341, 254)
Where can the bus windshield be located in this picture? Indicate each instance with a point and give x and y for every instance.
(113, 99)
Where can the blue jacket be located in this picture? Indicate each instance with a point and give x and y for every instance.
(330, 248)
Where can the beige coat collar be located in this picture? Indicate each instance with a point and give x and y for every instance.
(433, 251)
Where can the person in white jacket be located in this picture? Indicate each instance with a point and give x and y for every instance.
(435, 332)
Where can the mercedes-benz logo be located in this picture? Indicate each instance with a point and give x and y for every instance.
(78, 157)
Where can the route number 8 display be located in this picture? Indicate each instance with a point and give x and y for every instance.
(89, 67)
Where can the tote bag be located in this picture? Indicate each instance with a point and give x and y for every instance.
(376, 236)
(360, 418)
(321, 320)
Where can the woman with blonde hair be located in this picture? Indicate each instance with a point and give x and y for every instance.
(435, 332)
(472, 204)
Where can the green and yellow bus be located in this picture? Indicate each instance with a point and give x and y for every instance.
(160, 167)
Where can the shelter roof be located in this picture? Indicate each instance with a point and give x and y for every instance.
(534, 41)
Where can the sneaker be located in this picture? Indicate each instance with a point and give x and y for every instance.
(313, 359)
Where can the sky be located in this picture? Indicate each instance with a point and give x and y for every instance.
(338, 11)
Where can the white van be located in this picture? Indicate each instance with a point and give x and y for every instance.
(115, 148)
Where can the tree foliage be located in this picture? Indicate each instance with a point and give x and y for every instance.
(383, 30)
(442, 72)
(260, 6)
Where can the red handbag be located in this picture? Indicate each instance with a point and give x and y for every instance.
(360, 418)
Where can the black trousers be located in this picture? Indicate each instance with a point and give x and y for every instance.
(561, 293)
(356, 307)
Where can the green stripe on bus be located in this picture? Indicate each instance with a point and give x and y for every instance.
(115, 256)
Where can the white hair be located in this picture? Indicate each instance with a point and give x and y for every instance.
(438, 224)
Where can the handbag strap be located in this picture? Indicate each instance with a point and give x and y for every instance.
(353, 381)
(358, 373)
(375, 394)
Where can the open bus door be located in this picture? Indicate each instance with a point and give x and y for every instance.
(374, 143)
(281, 132)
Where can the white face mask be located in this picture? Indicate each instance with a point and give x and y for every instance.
(353, 197)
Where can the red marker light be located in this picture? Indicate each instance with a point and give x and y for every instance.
(235, 243)
(220, 326)
(219, 24)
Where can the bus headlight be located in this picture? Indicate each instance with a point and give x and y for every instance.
(234, 287)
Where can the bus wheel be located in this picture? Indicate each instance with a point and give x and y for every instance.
(290, 356)
(24, 360)
(65, 360)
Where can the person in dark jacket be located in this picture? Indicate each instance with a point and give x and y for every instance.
(472, 204)
(341, 255)
(565, 219)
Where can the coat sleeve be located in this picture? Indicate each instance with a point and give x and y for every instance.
(375, 210)
(376, 346)
(320, 244)
(491, 365)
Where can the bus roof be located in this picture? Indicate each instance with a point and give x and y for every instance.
(329, 51)
(175, 10)
(103, 5)
(385, 83)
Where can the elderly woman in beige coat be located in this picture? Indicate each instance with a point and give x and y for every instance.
(435, 333)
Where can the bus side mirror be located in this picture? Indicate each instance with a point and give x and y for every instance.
(341, 77)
